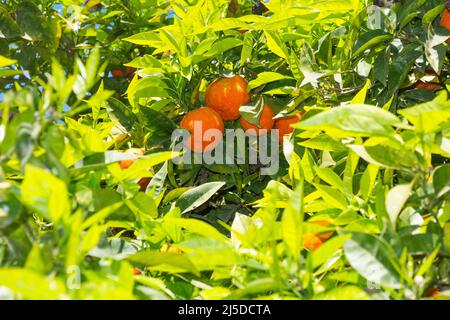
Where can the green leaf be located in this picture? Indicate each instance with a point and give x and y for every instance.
(308, 166)
(101, 215)
(368, 180)
(371, 39)
(210, 254)
(149, 38)
(426, 265)
(30, 285)
(5, 62)
(275, 44)
(199, 227)
(441, 180)
(429, 116)
(349, 171)
(328, 250)
(158, 126)
(169, 262)
(121, 113)
(255, 287)
(373, 259)
(352, 120)
(195, 197)
(45, 193)
(264, 78)
(145, 61)
(330, 177)
(247, 48)
(8, 26)
(401, 67)
(360, 97)
(323, 142)
(447, 236)
(420, 244)
(396, 199)
(343, 293)
(332, 196)
(292, 223)
(223, 45)
(432, 14)
(435, 51)
(388, 154)
(114, 248)
(381, 67)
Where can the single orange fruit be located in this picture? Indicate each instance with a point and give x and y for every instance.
(312, 241)
(445, 21)
(206, 118)
(284, 125)
(227, 95)
(426, 85)
(265, 121)
(117, 73)
(125, 164)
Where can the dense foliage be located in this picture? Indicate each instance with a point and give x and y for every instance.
(82, 81)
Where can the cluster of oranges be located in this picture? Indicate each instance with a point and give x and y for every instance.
(223, 98)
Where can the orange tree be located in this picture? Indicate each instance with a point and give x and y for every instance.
(358, 209)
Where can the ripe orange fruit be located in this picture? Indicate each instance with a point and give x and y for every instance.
(209, 119)
(117, 73)
(125, 164)
(445, 21)
(312, 241)
(227, 95)
(265, 121)
(284, 125)
(426, 85)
